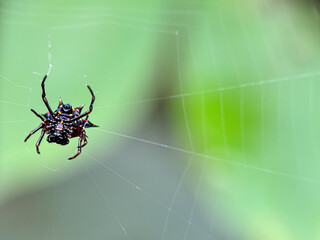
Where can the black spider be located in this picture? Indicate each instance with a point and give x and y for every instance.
(64, 123)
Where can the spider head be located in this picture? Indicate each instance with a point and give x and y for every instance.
(58, 135)
(67, 108)
(58, 138)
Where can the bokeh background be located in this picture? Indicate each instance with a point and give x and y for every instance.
(208, 115)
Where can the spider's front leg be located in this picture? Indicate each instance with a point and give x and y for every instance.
(39, 140)
(33, 131)
(84, 141)
(82, 137)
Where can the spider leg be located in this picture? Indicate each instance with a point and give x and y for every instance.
(84, 141)
(79, 148)
(39, 140)
(88, 111)
(44, 97)
(33, 131)
(38, 115)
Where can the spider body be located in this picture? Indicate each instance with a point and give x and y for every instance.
(64, 123)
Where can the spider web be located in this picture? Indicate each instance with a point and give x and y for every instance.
(207, 115)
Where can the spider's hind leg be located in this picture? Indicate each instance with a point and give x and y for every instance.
(88, 111)
(37, 114)
(45, 100)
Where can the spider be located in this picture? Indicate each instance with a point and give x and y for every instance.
(64, 123)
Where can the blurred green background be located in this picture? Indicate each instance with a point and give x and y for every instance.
(207, 111)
